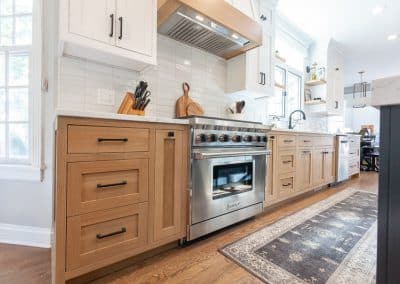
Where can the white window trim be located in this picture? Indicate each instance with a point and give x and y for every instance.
(33, 170)
(299, 73)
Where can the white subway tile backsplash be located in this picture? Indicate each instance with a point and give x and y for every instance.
(177, 63)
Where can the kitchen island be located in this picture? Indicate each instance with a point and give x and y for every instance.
(386, 97)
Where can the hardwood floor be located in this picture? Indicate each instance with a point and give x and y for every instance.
(199, 262)
(20, 264)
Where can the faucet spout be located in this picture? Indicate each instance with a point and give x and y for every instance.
(303, 114)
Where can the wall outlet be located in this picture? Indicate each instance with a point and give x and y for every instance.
(105, 97)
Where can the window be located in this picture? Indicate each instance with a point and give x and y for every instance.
(20, 67)
(288, 91)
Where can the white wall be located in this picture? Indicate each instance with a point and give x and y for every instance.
(356, 117)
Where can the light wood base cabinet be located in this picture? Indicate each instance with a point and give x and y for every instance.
(121, 190)
(304, 170)
(299, 163)
(168, 184)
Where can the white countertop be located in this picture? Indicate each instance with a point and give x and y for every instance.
(107, 115)
(386, 91)
(300, 131)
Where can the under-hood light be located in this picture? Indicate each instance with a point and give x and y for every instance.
(200, 18)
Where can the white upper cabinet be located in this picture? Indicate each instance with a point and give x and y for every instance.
(335, 81)
(130, 34)
(252, 72)
(116, 32)
(91, 18)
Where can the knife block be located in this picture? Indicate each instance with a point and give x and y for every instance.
(127, 104)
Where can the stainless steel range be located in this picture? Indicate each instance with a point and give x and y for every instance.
(228, 168)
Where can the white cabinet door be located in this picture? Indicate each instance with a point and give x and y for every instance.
(135, 28)
(93, 19)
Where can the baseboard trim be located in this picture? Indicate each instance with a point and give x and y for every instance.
(25, 235)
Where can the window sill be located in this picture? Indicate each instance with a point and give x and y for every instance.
(20, 173)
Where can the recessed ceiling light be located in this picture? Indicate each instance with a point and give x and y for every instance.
(378, 10)
(235, 36)
(392, 37)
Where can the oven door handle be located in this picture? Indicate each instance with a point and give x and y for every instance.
(211, 155)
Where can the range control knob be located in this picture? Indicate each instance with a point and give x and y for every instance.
(212, 138)
(264, 138)
(224, 138)
(201, 138)
(248, 138)
(237, 138)
(259, 138)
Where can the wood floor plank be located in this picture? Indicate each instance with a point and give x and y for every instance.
(199, 262)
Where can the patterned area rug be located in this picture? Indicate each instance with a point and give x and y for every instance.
(332, 241)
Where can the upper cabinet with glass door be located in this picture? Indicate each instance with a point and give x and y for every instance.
(117, 32)
(252, 72)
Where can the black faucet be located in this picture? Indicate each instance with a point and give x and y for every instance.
(291, 126)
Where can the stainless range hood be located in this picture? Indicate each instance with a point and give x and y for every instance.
(212, 25)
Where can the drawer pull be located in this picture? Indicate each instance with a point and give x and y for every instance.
(112, 184)
(288, 141)
(287, 162)
(306, 152)
(286, 184)
(325, 152)
(101, 236)
(112, 140)
(353, 153)
(306, 141)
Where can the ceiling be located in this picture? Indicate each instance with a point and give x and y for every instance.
(362, 35)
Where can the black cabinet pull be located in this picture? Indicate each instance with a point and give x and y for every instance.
(120, 27)
(286, 162)
(101, 236)
(264, 78)
(112, 25)
(261, 78)
(112, 140)
(336, 104)
(112, 184)
(306, 141)
(306, 152)
(288, 141)
(263, 17)
(287, 184)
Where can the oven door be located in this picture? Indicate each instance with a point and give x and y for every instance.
(223, 182)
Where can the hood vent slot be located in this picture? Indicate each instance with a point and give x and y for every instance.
(184, 25)
(196, 35)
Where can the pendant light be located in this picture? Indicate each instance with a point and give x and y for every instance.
(360, 90)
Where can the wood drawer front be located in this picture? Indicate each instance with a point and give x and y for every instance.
(286, 161)
(104, 234)
(325, 141)
(354, 142)
(354, 152)
(93, 186)
(305, 141)
(286, 185)
(286, 141)
(354, 167)
(93, 139)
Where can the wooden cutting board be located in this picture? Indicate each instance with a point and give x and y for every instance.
(185, 106)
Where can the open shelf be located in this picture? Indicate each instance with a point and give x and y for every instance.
(312, 83)
(315, 102)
